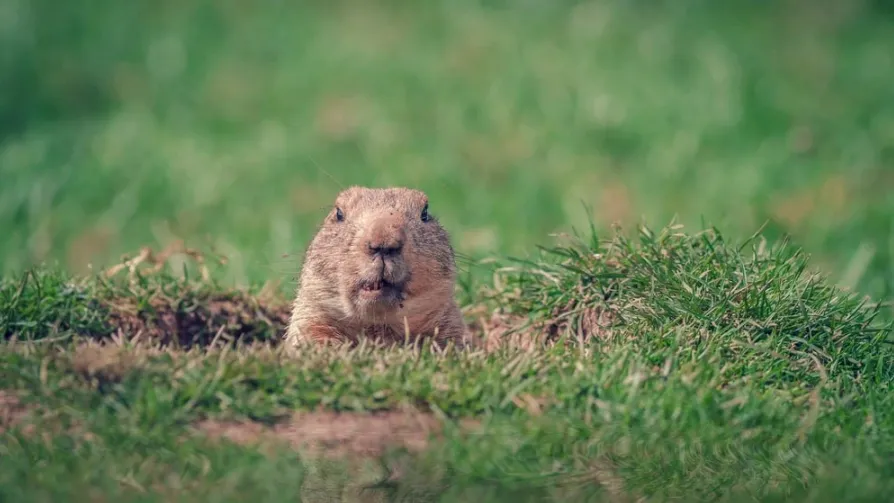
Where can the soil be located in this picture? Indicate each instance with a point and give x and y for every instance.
(336, 434)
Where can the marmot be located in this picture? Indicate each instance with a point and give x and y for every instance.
(379, 266)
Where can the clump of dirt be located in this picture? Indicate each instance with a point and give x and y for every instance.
(174, 312)
(201, 319)
(336, 434)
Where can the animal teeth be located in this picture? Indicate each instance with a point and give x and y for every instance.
(374, 286)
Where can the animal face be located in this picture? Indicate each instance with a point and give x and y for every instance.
(391, 247)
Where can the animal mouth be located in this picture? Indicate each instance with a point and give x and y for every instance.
(380, 289)
(374, 286)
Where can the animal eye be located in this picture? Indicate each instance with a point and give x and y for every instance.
(339, 215)
(425, 215)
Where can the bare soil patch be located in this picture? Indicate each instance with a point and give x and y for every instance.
(12, 410)
(32, 419)
(334, 434)
(227, 316)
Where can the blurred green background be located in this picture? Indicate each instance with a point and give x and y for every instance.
(233, 124)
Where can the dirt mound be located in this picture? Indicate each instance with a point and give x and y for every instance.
(201, 320)
(174, 311)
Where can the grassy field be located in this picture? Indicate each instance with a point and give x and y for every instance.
(731, 370)
(724, 375)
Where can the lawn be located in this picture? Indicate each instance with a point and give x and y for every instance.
(747, 355)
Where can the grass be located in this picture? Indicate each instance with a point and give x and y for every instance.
(723, 365)
(233, 126)
(763, 381)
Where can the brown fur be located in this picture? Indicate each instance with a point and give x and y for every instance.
(382, 236)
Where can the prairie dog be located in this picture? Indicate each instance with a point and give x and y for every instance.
(380, 265)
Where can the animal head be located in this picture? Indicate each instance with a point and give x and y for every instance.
(385, 252)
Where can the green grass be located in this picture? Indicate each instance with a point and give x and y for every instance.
(764, 381)
(234, 125)
(741, 365)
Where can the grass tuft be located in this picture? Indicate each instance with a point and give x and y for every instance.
(762, 303)
(162, 307)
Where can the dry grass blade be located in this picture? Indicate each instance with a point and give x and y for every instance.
(157, 261)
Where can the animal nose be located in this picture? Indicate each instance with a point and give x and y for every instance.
(385, 237)
(384, 248)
